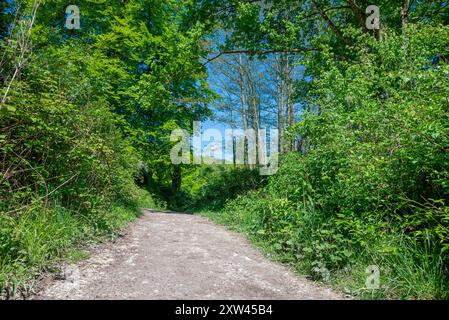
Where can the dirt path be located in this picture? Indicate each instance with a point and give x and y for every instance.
(180, 256)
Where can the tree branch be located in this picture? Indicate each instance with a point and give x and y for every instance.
(256, 52)
(330, 23)
(358, 13)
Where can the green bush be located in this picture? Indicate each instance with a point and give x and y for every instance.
(372, 186)
(68, 170)
(209, 187)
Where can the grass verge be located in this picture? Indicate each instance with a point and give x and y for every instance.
(37, 240)
(407, 270)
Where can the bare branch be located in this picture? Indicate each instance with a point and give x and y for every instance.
(330, 23)
(24, 45)
(263, 52)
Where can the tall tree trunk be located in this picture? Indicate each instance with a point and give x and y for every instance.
(243, 101)
(404, 18)
(176, 179)
(404, 13)
(283, 89)
(232, 123)
(280, 102)
(292, 76)
(253, 110)
(287, 95)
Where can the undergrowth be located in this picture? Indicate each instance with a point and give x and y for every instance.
(36, 240)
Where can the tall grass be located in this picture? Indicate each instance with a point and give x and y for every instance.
(34, 241)
(314, 244)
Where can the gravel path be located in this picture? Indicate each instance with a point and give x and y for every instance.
(179, 256)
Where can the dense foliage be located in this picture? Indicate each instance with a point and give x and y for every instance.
(370, 185)
(363, 115)
(85, 114)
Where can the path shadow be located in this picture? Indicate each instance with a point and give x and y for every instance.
(165, 211)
